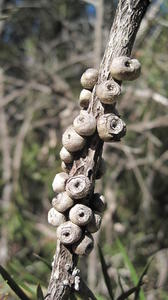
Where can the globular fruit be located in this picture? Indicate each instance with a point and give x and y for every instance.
(78, 186)
(69, 233)
(84, 246)
(89, 78)
(125, 68)
(55, 218)
(59, 181)
(110, 127)
(84, 98)
(62, 202)
(108, 91)
(85, 123)
(80, 214)
(66, 156)
(72, 141)
(95, 223)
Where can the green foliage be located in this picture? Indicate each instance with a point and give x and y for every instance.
(105, 274)
(130, 266)
(13, 285)
(128, 262)
(140, 281)
(136, 290)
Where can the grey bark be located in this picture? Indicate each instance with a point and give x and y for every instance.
(122, 36)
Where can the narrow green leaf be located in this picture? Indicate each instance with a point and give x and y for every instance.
(85, 292)
(105, 274)
(130, 266)
(128, 293)
(43, 260)
(27, 288)
(137, 288)
(101, 297)
(40, 295)
(13, 285)
(140, 282)
(127, 261)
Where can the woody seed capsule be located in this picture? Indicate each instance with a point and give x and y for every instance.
(69, 233)
(80, 214)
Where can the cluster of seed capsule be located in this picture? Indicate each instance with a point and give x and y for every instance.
(77, 211)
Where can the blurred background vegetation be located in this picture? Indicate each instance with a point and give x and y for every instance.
(44, 48)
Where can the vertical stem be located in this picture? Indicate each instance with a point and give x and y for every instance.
(98, 32)
(6, 175)
(122, 36)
